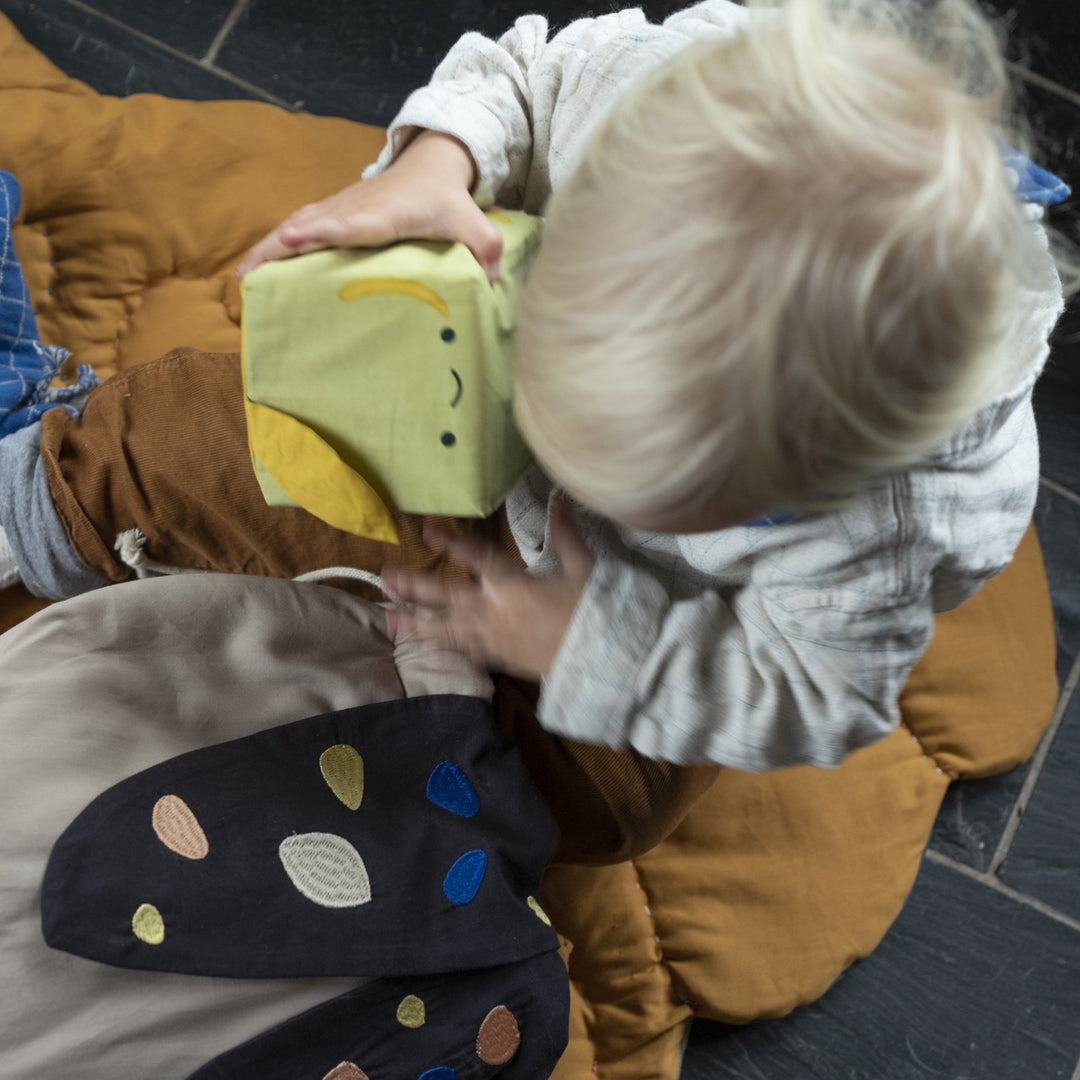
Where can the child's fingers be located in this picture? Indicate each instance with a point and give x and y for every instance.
(472, 227)
(336, 223)
(439, 631)
(573, 553)
(281, 243)
(376, 212)
(427, 590)
(268, 248)
(478, 556)
(405, 626)
(344, 220)
(357, 218)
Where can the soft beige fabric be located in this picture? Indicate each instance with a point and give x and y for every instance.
(103, 686)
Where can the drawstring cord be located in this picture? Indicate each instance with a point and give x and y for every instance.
(130, 546)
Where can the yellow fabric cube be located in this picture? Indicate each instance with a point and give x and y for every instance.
(379, 378)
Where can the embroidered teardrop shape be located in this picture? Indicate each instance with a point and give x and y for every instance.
(447, 787)
(178, 828)
(343, 770)
(538, 911)
(346, 1071)
(411, 1012)
(148, 925)
(463, 878)
(326, 869)
(499, 1037)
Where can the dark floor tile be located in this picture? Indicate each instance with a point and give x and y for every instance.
(1044, 859)
(1048, 40)
(187, 25)
(1056, 127)
(967, 984)
(973, 817)
(1057, 521)
(1045, 36)
(361, 61)
(974, 813)
(1057, 405)
(1054, 123)
(109, 59)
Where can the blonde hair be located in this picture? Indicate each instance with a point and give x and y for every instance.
(782, 266)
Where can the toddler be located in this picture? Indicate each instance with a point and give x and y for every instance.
(775, 361)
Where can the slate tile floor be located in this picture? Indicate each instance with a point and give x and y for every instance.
(979, 979)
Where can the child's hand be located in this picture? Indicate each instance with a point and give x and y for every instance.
(423, 195)
(504, 619)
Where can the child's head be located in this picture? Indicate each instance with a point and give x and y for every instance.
(783, 266)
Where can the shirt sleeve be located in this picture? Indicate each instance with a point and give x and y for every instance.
(762, 679)
(523, 103)
(481, 94)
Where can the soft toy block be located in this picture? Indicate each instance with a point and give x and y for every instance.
(378, 379)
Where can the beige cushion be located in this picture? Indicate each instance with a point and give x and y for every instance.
(102, 686)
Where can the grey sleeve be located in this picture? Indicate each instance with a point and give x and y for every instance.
(759, 681)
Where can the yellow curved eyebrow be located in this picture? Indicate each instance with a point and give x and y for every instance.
(354, 290)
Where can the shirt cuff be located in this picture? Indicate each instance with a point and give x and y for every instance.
(437, 109)
(591, 692)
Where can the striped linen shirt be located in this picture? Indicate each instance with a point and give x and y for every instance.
(755, 646)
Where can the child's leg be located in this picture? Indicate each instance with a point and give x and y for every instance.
(610, 805)
(46, 562)
(163, 448)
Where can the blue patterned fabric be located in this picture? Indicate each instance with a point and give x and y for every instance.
(1034, 184)
(27, 367)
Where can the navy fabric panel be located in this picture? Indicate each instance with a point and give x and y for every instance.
(238, 912)
(361, 1028)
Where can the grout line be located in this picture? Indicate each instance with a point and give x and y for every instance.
(1030, 76)
(1076, 1072)
(1037, 762)
(1060, 489)
(228, 76)
(236, 80)
(226, 29)
(999, 886)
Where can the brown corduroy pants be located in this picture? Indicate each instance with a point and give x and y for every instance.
(163, 448)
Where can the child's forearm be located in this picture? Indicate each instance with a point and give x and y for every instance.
(448, 156)
(524, 103)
